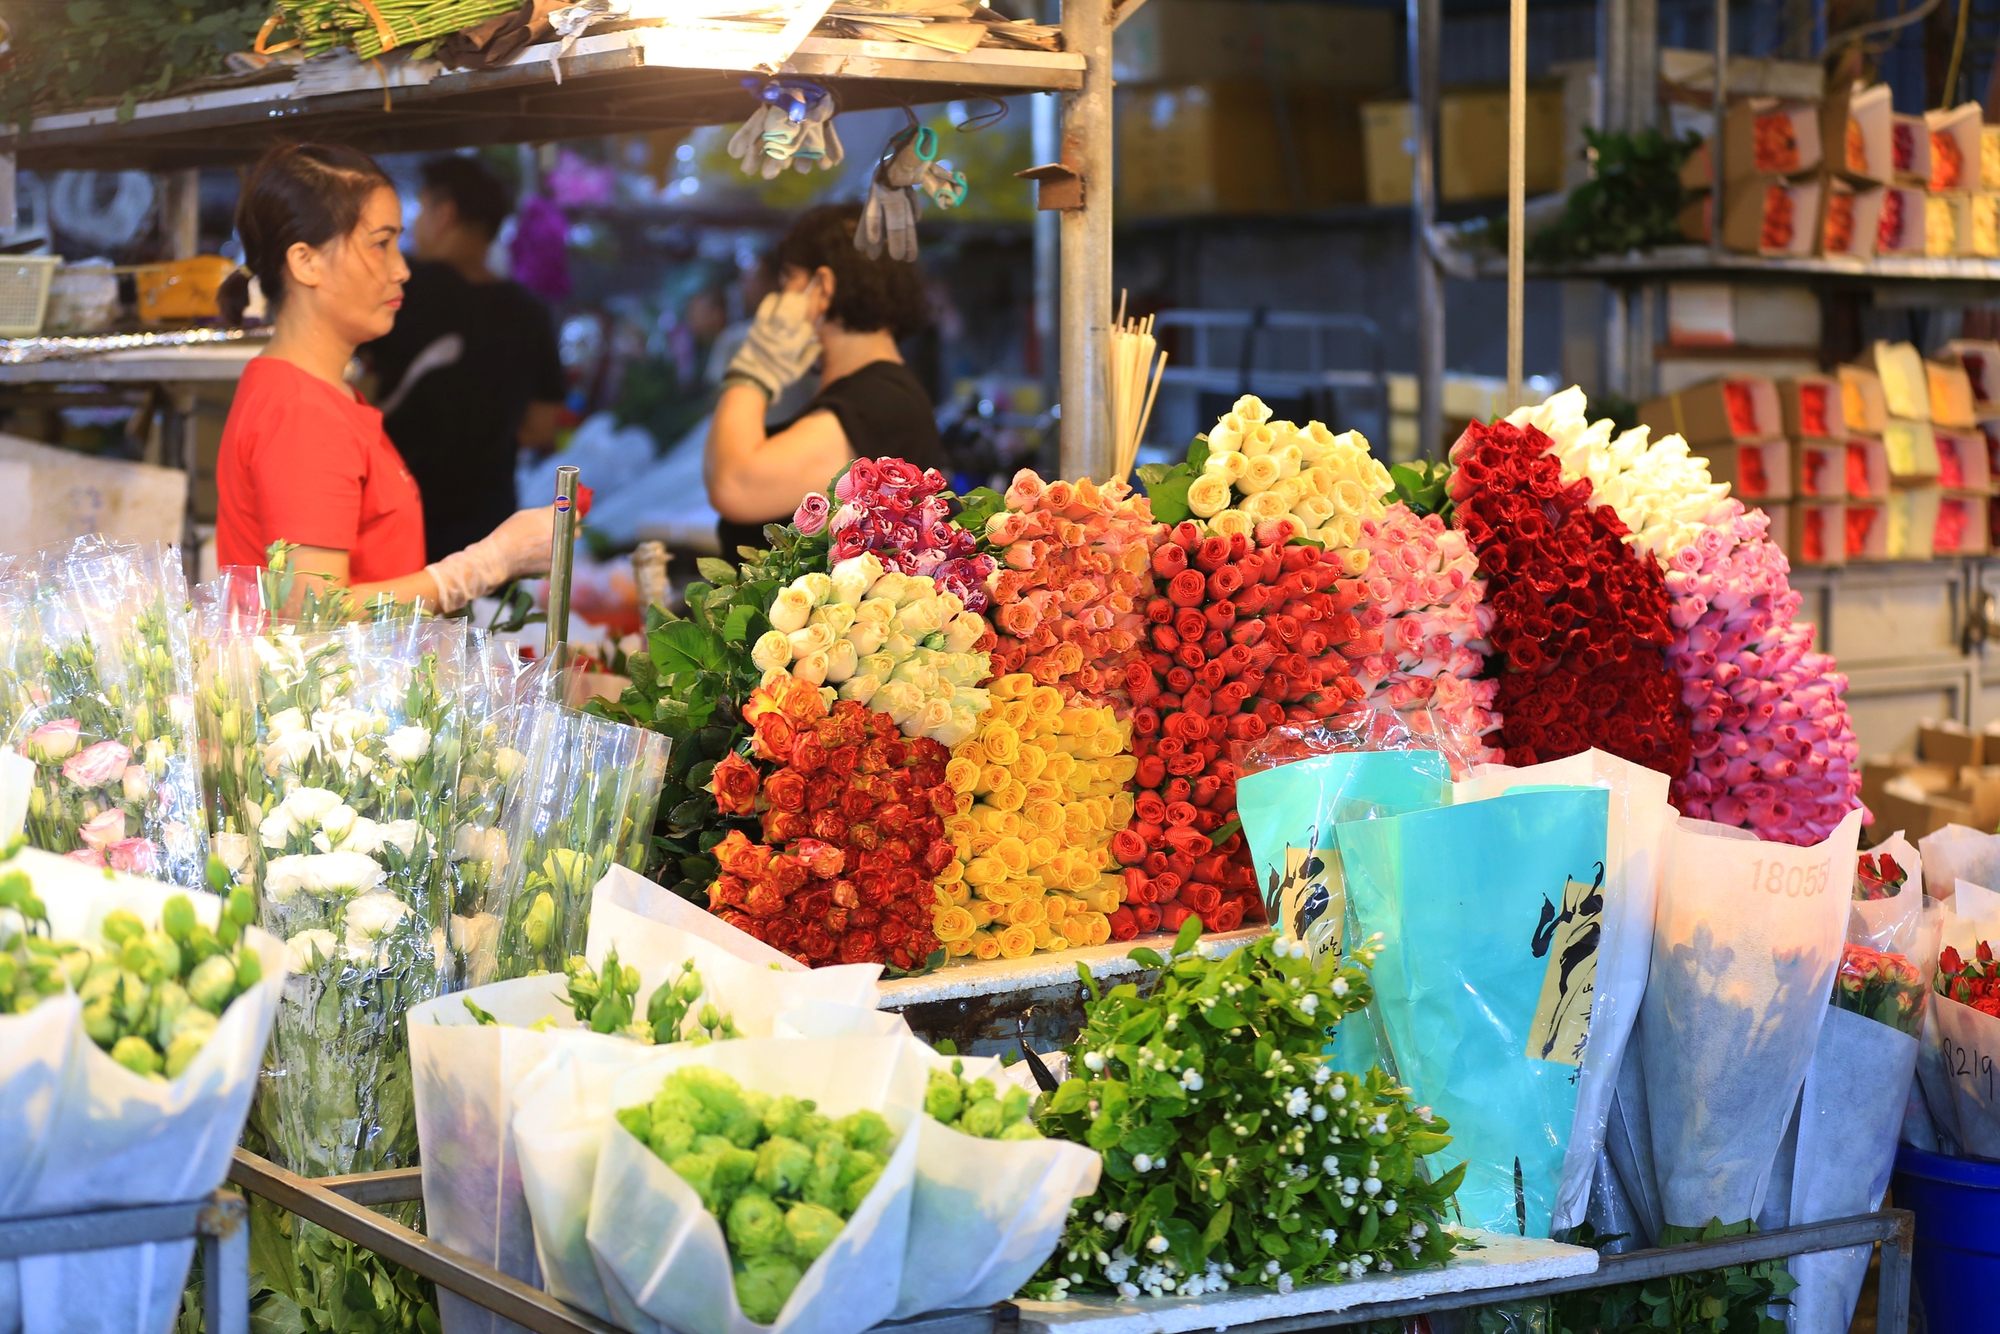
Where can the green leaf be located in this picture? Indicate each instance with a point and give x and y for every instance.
(1224, 830)
(1152, 473)
(737, 627)
(1189, 933)
(1197, 455)
(1073, 1095)
(715, 570)
(1145, 958)
(979, 505)
(1169, 496)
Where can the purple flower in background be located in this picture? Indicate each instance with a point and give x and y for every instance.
(538, 257)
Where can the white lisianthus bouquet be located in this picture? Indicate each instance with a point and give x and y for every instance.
(100, 693)
(894, 642)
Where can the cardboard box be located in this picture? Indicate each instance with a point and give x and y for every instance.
(1985, 209)
(1811, 408)
(1947, 225)
(1878, 771)
(1816, 534)
(1905, 383)
(1736, 409)
(1949, 389)
(1472, 145)
(1762, 137)
(1286, 41)
(1715, 315)
(1867, 530)
(1954, 146)
(1913, 452)
(1754, 473)
(1819, 470)
(1913, 523)
(1991, 430)
(1855, 131)
(1919, 819)
(1848, 220)
(1909, 151)
(1980, 360)
(1963, 526)
(1214, 148)
(1693, 71)
(1899, 223)
(1764, 215)
(1778, 524)
(1963, 461)
(1950, 747)
(1867, 475)
(1863, 406)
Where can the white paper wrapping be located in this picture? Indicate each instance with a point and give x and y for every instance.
(466, 1073)
(1968, 1049)
(1632, 860)
(1933, 1085)
(79, 1131)
(17, 779)
(1957, 852)
(1746, 943)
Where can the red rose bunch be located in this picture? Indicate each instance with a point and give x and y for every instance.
(1580, 617)
(1878, 876)
(1067, 598)
(1974, 982)
(1244, 638)
(902, 513)
(853, 822)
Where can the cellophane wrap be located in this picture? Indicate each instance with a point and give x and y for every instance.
(1746, 943)
(1956, 853)
(586, 804)
(1623, 933)
(107, 682)
(466, 1073)
(1484, 911)
(78, 1131)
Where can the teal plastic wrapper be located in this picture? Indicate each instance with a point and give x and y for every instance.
(1489, 916)
(1289, 814)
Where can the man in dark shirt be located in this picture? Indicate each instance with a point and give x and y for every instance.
(469, 376)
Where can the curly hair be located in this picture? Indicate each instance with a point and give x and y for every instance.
(868, 294)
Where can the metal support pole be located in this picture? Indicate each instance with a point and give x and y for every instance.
(1425, 21)
(562, 556)
(1517, 187)
(7, 206)
(180, 212)
(1720, 102)
(1086, 247)
(1614, 64)
(1892, 1284)
(1642, 65)
(1046, 126)
(225, 1270)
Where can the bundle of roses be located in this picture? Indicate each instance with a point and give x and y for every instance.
(1075, 573)
(1581, 618)
(897, 643)
(1244, 638)
(1880, 985)
(1041, 789)
(903, 515)
(1255, 477)
(1772, 748)
(1974, 981)
(853, 825)
(1423, 580)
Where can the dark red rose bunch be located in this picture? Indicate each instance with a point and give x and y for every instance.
(1974, 981)
(1579, 619)
(1244, 637)
(853, 822)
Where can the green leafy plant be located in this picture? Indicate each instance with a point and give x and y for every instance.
(1234, 1153)
(1631, 202)
(68, 54)
(1422, 486)
(1167, 487)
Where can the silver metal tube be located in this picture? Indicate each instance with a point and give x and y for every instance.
(1517, 186)
(1642, 65)
(1720, 103)
(1425, 21)
(562, 557)
(1614, 65)
(1086, 247)
(1046, 126)
(225, 1266)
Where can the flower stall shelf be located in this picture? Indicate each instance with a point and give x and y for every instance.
(219, 1224)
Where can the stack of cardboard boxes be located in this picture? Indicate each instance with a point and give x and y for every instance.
(1953, 779)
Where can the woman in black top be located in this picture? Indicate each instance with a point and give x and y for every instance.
(836, 306)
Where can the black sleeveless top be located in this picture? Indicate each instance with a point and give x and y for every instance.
(884, 412)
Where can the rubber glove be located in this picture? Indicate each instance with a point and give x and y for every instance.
(945, 186)
(520, 546)
(782, 344)
(888, 222)
(747, 144)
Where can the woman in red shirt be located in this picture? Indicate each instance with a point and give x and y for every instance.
(303, 459)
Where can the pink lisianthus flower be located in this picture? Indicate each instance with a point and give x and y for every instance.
(52, 741)
(88, 856)
(103, 829)
(99, 765)
(134, 856)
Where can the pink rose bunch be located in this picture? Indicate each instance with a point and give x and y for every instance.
(1423, 592)
(1069, 596)
(900, 513)
(1774, 751)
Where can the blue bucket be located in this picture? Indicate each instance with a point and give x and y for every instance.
(1957, 1262)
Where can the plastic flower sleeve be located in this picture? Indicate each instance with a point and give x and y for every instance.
(79, 1131)
(1956, 853)
(585, 803)
(1836, 1161)
(1488, 915)
(20, 660)
(1745, 946)
(17, 779)
(1632, 853)
(112, 728)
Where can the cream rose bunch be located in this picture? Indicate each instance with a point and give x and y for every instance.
(895, 642)
(1261, 473)
(1041, 790)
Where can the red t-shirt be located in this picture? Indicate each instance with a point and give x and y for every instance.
(307, 463)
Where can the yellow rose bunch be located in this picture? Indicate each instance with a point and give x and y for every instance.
(1041, 789)
(1260, 471)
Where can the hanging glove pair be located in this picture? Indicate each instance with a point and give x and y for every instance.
(908, 171)
(791, 128)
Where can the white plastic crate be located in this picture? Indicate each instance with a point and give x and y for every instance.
(24, 293)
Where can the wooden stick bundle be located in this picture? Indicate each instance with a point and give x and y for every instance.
(1136, 369)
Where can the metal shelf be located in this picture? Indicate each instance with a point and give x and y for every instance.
(1674, 261)
(612, 83)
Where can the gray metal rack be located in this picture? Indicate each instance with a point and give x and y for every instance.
(220, 1223)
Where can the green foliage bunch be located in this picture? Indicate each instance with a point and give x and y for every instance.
(83, 50)
(1631, 202)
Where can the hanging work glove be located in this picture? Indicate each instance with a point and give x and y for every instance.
(888, 221)
(818, 144)
(942, 184)
(747, 144)
(519, 547)
(782, 345)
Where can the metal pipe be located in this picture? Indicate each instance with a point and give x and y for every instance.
(1720, 103)
(1425, 19)
(562, 557)
(1046, 127)
(1086, 247)
(1517, 187)
(1614, 65)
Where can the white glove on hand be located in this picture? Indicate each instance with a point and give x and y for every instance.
(888, 221)
(782, 344)
(520, 546)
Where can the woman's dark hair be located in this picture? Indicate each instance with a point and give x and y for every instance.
(307, 193)
(868, 294)
(479, 197)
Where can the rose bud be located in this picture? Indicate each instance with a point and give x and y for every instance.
(1148, 917)
(1160, 611)
(1155, 864)
(1212, 554)
(1190, 656)
(1214, 644)
(1188, 589)
(1190, 623)
(1220, 615)
(1179, 814)
(1197, 699)
(1224, 581)
(1202, 897)
(1173, 915)
(1145, 722)
(1272, 713)
(1212, 675)
(1166, 886)
(1128, 847)
(1169, 560)
(1239, 546)
(1297, 558)
(1124, 924)
(1185, 766)
(1152, 772)
(1187, 535)
(1157, 661)
(1167, 701)
(1179, 679)
(1165, 638)
(1177, 789)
